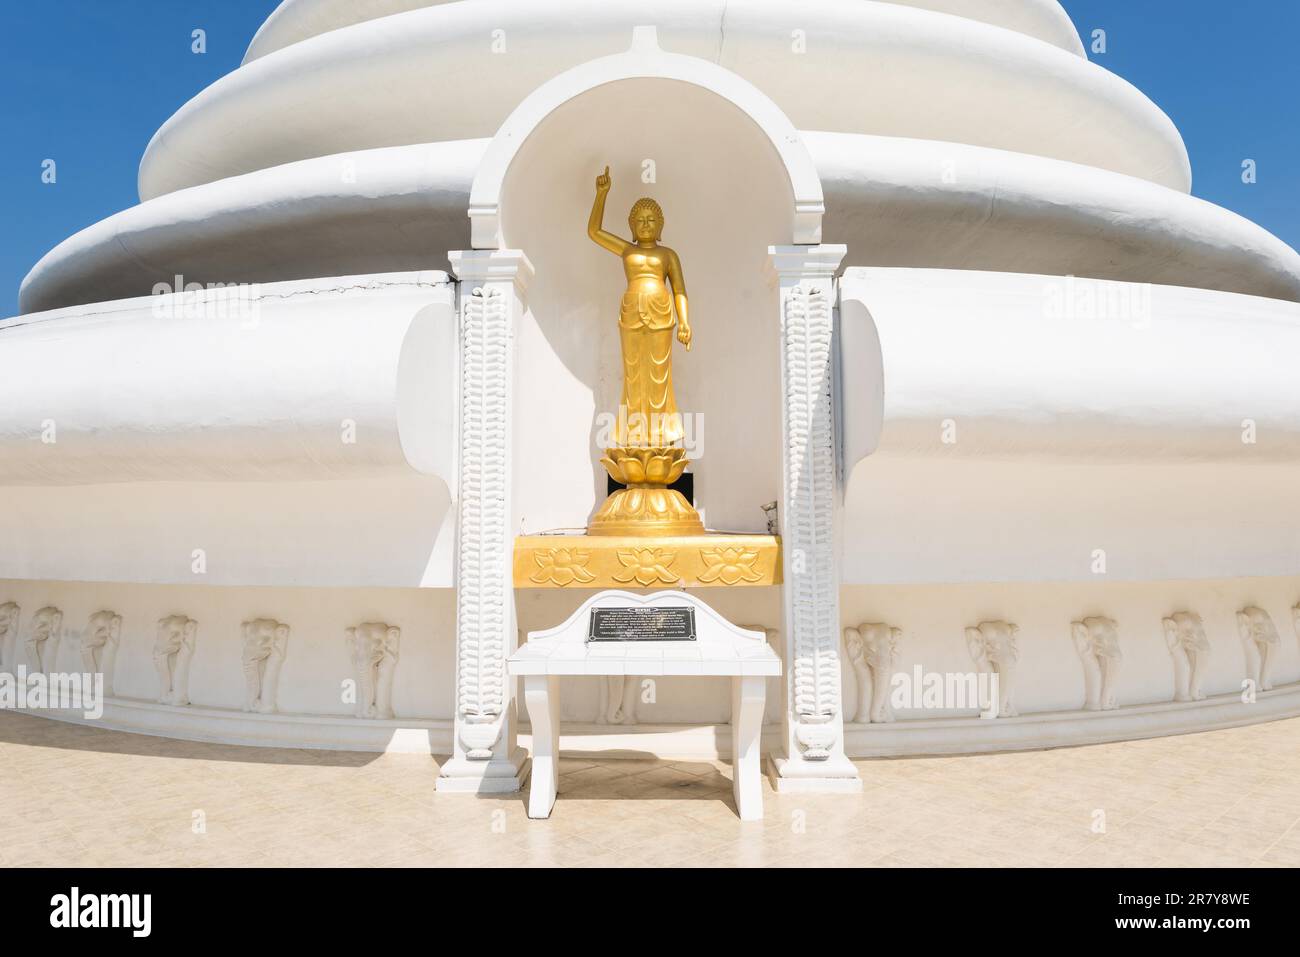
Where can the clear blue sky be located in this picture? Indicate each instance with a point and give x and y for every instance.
(86, 83)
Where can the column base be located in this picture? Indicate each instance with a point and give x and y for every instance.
(833, 776)
(497, 776)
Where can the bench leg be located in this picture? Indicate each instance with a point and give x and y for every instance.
(747, 697)
(542, 695)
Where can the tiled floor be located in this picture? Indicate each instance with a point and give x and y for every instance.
(72, 795)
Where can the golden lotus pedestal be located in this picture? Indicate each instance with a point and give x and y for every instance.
(646, 536)
(714, 559)
(647, 507)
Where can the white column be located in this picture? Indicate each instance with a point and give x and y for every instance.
(487, 756)
(813, 726)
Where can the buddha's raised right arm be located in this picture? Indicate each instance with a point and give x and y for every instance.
(598, 235)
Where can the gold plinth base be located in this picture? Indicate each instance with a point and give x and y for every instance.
(633, 561)
(646, 511)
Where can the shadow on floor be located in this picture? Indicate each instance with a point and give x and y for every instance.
(38, 732)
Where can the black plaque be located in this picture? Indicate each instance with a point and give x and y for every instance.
(643, 623)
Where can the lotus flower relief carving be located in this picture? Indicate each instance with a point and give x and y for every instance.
(562, 566)
(646, 566)
(729, 565)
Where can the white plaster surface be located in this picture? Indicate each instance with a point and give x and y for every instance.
(915, 73)
(1044, 19)
(892, 201)
(296, 20)
(349, 377)
(379, 211)
(227, 439)
(374, 532)
(689, 87)
(1069, 433)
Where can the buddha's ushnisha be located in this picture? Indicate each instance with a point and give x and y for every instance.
(649, 410)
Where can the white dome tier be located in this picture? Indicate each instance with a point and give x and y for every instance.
(887, 199)
(296, 20)
(895, 70)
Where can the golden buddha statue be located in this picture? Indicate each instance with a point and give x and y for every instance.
(647, 456)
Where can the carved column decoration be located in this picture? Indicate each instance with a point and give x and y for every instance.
(814, 725)
(481, 611)
(487, 758)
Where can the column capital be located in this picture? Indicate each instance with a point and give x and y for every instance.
(492, 265)
(792, 263)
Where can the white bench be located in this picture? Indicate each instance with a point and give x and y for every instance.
(720, 649)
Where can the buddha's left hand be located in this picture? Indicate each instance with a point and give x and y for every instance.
(684, 335)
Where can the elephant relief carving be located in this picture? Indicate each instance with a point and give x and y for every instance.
(1097, 641)
(993, 646)
(43, 636)
(373, 647)
(173, 649)
(264, 641)
(1190, 649)
(9, 615)
(872, 650)
(618, 694)
(1261, 641)
(99, 641)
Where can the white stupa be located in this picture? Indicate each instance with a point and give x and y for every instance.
(1020, 398)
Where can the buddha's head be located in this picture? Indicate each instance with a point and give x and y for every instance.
(646, 220)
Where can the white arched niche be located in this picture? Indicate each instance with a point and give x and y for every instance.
(733, 178)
